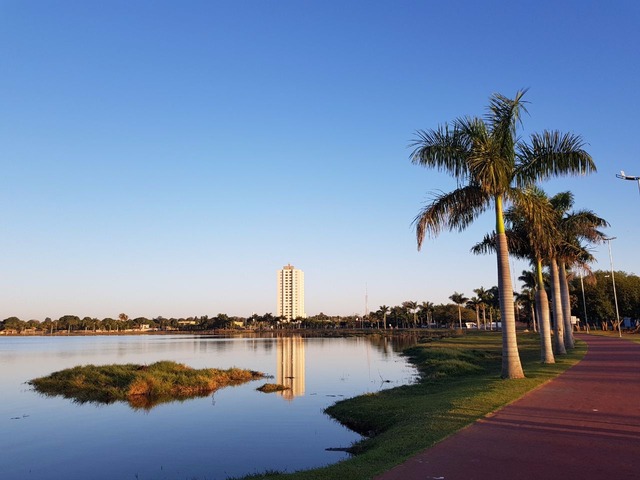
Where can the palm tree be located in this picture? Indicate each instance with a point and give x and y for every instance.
(427, 307)
(531, 235)
(384, 309)
(483, 296)
(526, 298)
(474, 303)
(493, 301)
(574, 227)
(459, 299)
(527, 295)
(491, 164)
(412, 309)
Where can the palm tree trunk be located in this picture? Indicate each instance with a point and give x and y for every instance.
(558, 321)
(542, 306)
(544, 321)
(566, 307)
(533, 318)
(511, 366)
(460, 316)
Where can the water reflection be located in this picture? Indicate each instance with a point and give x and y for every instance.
(290, 366)
(52, 438)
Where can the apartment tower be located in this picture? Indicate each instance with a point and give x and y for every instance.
(290, 293)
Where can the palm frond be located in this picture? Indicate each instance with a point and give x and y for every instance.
(503, 117)
(450, 211)
(562, 202)
(444, 148)
(534, 219)
(551, 154)
(486, 245)
(584, 224)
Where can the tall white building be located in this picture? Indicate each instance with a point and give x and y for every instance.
(291, 293)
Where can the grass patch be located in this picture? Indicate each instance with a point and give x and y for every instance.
(272, 387)
(142, 386)
(460, 382)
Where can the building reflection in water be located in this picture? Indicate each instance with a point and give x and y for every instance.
(290, 367)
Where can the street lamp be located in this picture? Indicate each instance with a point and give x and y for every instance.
(613, 278)
(622, 176)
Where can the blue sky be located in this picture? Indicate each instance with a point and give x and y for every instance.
(166, 158)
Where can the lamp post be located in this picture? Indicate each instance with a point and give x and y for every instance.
(622, 176)
(584, 304)
(613, 279)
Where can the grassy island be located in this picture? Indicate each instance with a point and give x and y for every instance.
(142, 386)
(272, 387)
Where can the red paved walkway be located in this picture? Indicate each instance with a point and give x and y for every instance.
(583, 425)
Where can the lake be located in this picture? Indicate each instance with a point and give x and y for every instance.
(233, 432)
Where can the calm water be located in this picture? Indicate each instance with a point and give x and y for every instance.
(235, 431)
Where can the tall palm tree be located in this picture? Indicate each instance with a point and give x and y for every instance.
(574, 227)
(459, 299)
(491, 164)
(531, 235)
(384, 309)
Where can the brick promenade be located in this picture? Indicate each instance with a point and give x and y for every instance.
(585, 424)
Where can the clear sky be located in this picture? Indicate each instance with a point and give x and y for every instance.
(168, 157)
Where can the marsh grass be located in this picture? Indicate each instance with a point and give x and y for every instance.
(459, 383)
(142, 386)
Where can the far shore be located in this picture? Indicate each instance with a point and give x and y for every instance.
(329, 332)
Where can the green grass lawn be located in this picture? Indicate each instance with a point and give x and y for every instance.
(460, 383)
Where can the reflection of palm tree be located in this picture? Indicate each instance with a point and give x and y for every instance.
(459, 299)
(491, 165)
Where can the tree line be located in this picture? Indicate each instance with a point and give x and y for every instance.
(591, 298)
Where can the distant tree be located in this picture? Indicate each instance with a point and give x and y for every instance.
(13, 323)
(412, 309)
(384, 310)
(69, 322)
(474, 303)
(600, 302)
(459, 299)
(426, 308)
